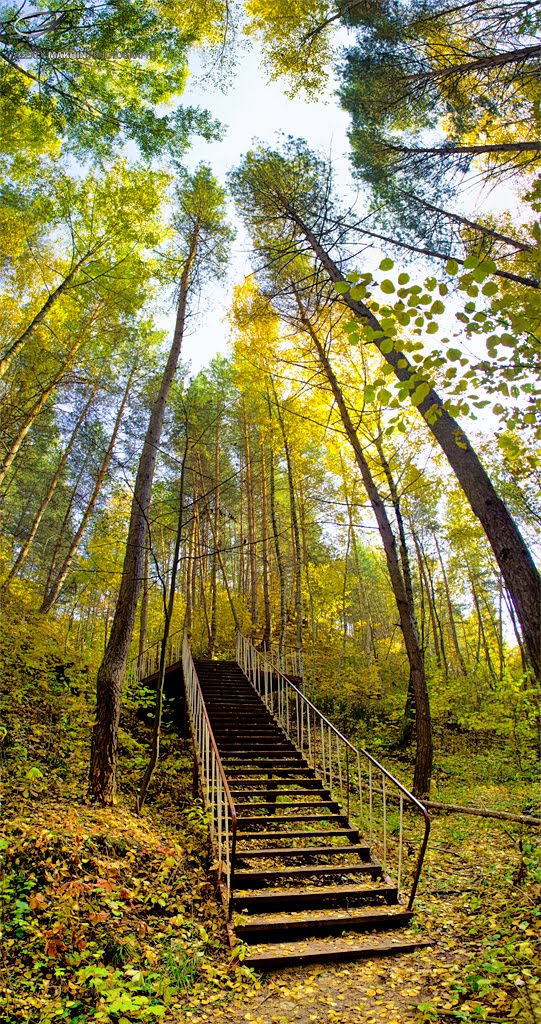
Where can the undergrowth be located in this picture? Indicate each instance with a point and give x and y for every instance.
(106, 916)
(112, 917)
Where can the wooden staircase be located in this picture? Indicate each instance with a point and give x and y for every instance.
(304, 884)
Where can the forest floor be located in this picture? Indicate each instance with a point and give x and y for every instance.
(114, 918)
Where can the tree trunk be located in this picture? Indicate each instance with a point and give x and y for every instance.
(215, 529)
(169, 605)
(21, 557)
(17, 344)
(55, 588)
(297, 551)
(473, 224)
(426, 586)
(279, 558)
(103, 756)
(265, 551)
(406, 731)
(495, 60)
(446, 151)
(251, 521)
(143, 613)
(450, 610)
(423, 756)
(512, 555)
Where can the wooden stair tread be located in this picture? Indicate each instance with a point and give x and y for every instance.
(252, 806)
(310, 917)
(279, 792)
(313, 892)
(276, 955)
(258, 818)
(301, 851)
(297, 835)
(306, 870)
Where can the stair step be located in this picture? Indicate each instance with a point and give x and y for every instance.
(312, 897)
(264, 766)
(362, 849)
(332, 922)
(350, 833)
(278, 773)
(256, 819)
(268, 957)
(275, 805)
(270, 791)
(305, 871)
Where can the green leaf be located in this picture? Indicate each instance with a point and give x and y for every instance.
(341, 287)
(386, 345)
(386, 264)
(490, 288)
(420, 393)
(387, 286)
(452, 267)
(351, 325)
(432, 328)
(403, 278)
(437, 307)
(384, 396)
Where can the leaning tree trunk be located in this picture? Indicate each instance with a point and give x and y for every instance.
(26, 546)
(297, 550)
(103, 757)
(54, 590)
(9, 355)
(510, 551)
(408, 625)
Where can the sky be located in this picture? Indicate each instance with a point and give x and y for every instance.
(251, 110)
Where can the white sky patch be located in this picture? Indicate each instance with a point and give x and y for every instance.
(252, 110)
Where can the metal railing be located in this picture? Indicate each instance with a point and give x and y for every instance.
(287, 657)
(366, 791)
(217, 799)
(147, 663)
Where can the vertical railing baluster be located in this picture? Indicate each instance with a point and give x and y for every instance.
(400, 839)
(339, 768)
(370, 795)
(330, 758)
(384, 802)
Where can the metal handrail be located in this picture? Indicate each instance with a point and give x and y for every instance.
(148, 662)
(217, 799)
(334, 758)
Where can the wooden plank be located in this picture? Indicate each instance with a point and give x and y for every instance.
(306, 871)
(326, 951)
(299, 851)
(309, 924)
